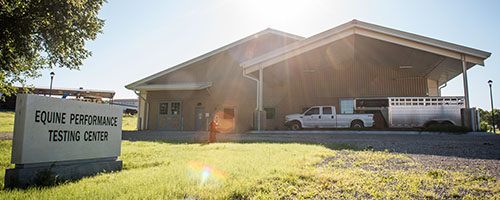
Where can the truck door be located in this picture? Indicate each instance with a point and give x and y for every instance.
(311, 117)
(327, 118)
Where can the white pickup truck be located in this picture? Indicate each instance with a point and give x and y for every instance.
(326, 117)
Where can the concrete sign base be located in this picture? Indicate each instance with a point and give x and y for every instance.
(23, 176)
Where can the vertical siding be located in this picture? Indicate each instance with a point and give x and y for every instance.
(314, 78)
(229, 88)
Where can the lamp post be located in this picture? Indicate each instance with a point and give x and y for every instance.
(490, 82)
(52, 74)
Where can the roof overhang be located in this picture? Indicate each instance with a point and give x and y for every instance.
(449, 50)
(174, 86)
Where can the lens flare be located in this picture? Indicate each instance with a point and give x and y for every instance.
(226, 124)
(205, 174)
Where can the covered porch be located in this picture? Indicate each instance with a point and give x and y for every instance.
(358, 59)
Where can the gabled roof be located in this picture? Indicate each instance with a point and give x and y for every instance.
(369, 30)
(133, 85)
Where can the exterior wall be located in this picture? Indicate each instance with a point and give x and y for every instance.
(348, 68)
(433, 88)
(328, 74)
(143, 105)
(211, 104)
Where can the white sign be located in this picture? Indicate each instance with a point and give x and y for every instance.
(49, 129)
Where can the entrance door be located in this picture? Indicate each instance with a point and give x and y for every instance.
(169, 117)
(199, 121)
(311, 117)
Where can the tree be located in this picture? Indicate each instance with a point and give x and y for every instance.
(485, 116)
(40, 34)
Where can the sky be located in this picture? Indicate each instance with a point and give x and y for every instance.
(141, 38)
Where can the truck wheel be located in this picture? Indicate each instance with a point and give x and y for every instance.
(357, 124)
(295, 126)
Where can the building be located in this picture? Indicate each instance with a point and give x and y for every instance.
(80, 94)
(127, 105)
(254, 82)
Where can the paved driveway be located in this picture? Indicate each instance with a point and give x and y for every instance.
(465, 146)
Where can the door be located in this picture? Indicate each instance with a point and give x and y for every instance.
(311, 118)
(327, 118)
(169, 116)
(199, 121)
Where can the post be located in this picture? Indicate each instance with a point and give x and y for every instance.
(261, 83)
(466, 85)
(51, 80)
(490, 82)
(259, 112)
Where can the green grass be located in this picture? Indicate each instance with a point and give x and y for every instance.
(160, 170)
(6, 122)
(129, 122)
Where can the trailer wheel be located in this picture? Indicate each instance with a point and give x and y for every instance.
(295, 126)
(447, 123)
(430, 123)
(357, 124)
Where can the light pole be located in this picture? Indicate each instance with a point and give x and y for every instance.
(52, 74)
(490, 82)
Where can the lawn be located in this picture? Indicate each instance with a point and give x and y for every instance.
(129, 122)
(6, 122)
(162, 170)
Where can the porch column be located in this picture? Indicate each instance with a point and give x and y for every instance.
(469, 116)
(261, 114)
(466, 84)
(261, 83)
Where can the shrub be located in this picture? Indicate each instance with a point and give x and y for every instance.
(483, 126)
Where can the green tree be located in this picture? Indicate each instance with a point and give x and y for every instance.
(485, 116)
(40, 34)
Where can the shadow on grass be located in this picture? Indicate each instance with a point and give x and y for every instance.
(463, 146)
(341, 146)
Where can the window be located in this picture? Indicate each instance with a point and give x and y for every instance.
(347, 106)
(372, 103)
(313, 111)
(228, 113)
(175, 108)
(327, 110)
(270, 113)
(163, 108)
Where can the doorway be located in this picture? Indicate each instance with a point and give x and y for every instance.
(169, 116)
(199, 121)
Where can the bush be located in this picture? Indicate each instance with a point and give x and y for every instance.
(483, 126)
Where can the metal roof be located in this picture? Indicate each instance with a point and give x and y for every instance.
(369, 30)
